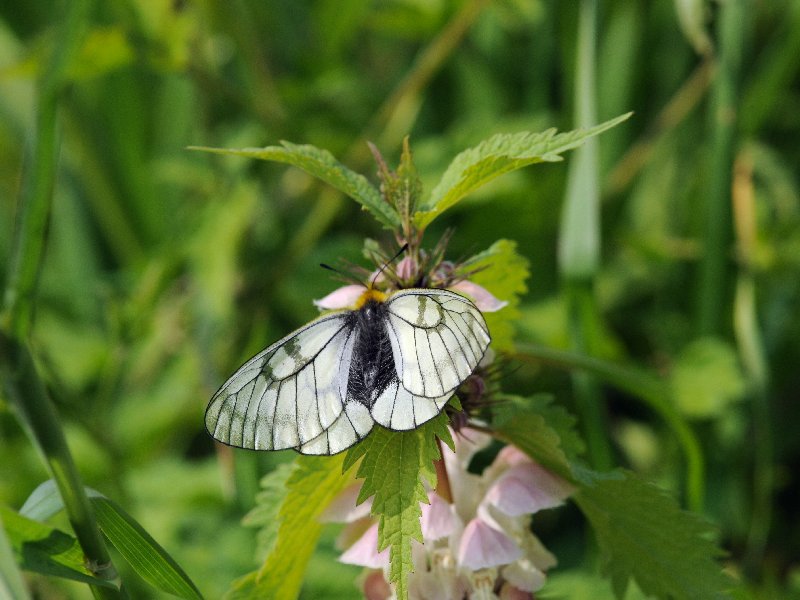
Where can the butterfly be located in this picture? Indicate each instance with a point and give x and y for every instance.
(394, 360)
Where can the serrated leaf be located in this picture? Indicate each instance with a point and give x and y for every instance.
(541, 430)
(502, 271)
(498, 155)
(138, 548)
(46, 550)
(322, 165)
(265, 514)
(392, 463)
(642, 533)
(313, 483)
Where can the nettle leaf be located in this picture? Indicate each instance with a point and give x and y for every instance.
(644, 534)
(322, 165)
(43, 549)
(265, 514)
(497, 155)
(502, 271)
(311, 486)
(392, 463)
(542, 430)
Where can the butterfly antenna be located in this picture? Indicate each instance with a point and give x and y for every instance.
(343, 276)
(386, 264)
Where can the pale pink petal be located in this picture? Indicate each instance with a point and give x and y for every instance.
(343, 508)
(483, 546)
(511, 456)
(524, 576)
(526, 489)
(484, 300)
(376, 587)
(437, 519)
(351, 532)
(467, 488)
(406, 268)
(365, 551)
(344, 297)
(511, 592)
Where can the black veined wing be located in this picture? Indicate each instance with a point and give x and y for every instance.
(395, 361)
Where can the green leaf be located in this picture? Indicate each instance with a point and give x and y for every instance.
(502, 271)
(542, 430)
(391, 466)
(138, 547)
(500, 154)
(142, 552)
(322, 165)
(643, 533)
(706, 378)
(11, 583)
(46, 550)
(265, 514)
(314, 481)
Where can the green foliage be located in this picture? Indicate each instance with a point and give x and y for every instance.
(11, 583)
(143, 274)
(136, 546)
(313, 482)
(503, 272)
(706, 378)
(322, 164)
(643, 533)
(266, 513)
(537, 427)
(500, 154)
(392, 467)
(46, 550)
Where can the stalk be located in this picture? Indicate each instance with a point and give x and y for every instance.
(579, 240)
(714, 278)
(20, 380)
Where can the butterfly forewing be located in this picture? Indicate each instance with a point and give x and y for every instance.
(268, 404)
(438, 348)
(322, 388)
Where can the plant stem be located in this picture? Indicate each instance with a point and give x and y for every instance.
(753, 358)
(714, 278)
(653, 391)
(27, 395)
(579, 240)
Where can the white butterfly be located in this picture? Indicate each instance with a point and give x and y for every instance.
(395, 361)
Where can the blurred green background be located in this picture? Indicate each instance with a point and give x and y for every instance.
(166, 268)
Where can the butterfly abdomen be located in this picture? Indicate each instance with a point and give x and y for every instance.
(372, 368)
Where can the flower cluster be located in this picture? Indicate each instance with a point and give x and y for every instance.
(477, 541)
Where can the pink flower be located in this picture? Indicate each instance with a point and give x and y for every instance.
(483, 546)
(527, 488)
(343, 297)
(406, 269)
(484, 300)
(495, 550)
(365, 551)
